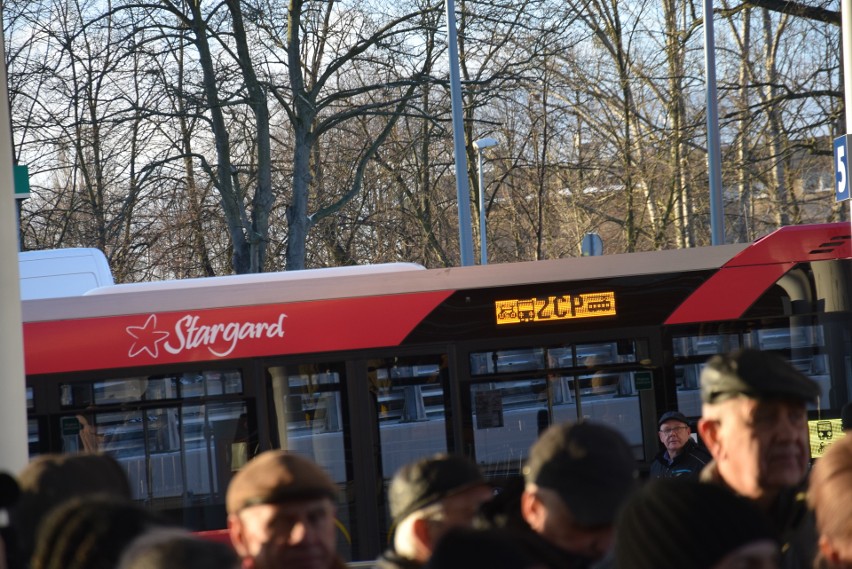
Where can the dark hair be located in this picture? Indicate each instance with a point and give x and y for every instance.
(90, 533)
(178, 550)
(51, 479)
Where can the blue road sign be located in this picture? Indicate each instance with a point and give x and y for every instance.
(841, 167)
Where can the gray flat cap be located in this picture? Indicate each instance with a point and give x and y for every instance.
(755, 374)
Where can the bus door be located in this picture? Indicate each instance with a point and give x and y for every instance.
(514, 394)
(172, 434)
(308, 416)
(411, 398)
(361, 422)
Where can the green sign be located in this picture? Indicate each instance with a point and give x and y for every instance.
(69, 426)
(643, 380)
(22, 182)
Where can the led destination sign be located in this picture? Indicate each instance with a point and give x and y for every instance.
(550, 308)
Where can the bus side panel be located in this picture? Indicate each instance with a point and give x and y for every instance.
(220, 334)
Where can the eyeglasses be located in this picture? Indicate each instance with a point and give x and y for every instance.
(672, 430)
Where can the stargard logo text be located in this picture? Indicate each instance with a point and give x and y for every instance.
(189, 333)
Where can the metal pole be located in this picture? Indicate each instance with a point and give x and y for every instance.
(846, 30)
(462, 189)
(714, 163)
(13, 403)
(483, 248)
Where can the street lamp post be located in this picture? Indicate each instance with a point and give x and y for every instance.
(480, 145)
(714, 162)
(462, 190)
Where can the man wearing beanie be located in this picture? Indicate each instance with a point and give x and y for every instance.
(578, 476)
(754, 423)
(681, 456)
(683, 524)
(427, 498)
(281, 513)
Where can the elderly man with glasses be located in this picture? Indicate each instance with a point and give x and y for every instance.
(681, 456)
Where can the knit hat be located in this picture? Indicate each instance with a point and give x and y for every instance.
(427, 481)
(673, 416)
(676, 523)
(275, 477)
(589, 465)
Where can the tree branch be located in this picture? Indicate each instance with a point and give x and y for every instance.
(798, 9)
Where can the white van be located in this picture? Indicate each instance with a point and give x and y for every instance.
(62, 272)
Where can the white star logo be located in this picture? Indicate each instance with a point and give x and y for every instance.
(147, 337)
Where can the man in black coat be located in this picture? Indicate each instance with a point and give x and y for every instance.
(427, 498)
(754, 421)
(682, 456)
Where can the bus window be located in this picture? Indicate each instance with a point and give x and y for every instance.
(595, 382)
(410, 394)
(212, 382)
(307, 403)
(33, 441)
(506, 361)
(705, 344)
(308, 420)
(410, 400)
(177, 456)
(802, 343)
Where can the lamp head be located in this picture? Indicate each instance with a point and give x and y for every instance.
(484, 143)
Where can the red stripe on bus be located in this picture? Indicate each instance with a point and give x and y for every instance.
(224, 333)
(742, 280)
(798, 243)
(728, 293)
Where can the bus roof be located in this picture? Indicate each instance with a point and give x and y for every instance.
(302, 286)
(283, 278)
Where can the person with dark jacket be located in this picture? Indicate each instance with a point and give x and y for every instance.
(681, 456)
(577, 478)
(683, 523)
(427, 498)
(755, 424)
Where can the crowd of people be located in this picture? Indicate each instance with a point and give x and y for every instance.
(745, 498)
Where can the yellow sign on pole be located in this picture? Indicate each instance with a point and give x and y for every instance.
(822, 434)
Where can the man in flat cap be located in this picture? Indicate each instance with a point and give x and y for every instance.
(755, 425)
(578, 476)
(281, 513)
(681, 456)
(428, 497)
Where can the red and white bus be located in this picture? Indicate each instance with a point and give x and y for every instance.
(363, 369)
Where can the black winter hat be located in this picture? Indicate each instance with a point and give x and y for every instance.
(672, 416)
(677, 524)
(589, 465)
(429, 480)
